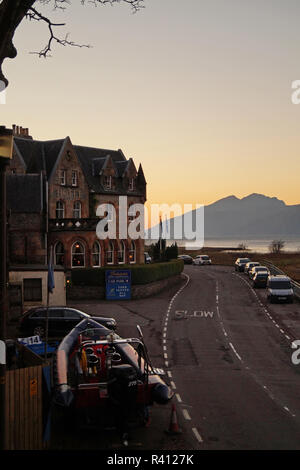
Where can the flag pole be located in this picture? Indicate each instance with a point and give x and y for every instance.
(50, 286)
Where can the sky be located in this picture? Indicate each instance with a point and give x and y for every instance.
(198, 92)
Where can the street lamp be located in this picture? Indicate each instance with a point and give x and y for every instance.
(6, 144)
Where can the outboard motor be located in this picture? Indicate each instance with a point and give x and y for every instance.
(122, 390)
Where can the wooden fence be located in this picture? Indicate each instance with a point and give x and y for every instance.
(24, 409)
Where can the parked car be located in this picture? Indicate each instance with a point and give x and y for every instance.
(280, 289)
(257, 269)
(241, 263)
(260, 279)
(202, 259)
(61, 320)
(148, 258)
(250, 265)
(187, 259)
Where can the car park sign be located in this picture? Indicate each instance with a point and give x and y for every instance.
(118, 284)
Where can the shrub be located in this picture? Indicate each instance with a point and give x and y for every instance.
(140, 273)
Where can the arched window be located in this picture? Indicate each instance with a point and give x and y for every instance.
(59, 254)
(96, 254)
(110, 253)
(77, 210)
(132, 253)
(78, 255)
(121, 253)
(60, 210)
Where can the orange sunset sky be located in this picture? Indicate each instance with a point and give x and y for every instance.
(199, 92)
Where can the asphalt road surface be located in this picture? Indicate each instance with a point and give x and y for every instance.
(227, 355)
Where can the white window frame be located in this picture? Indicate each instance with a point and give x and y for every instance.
(62, 177)
(122, 251)
(111, 245)
(73, 254)
(74, 178)
(131, 184)
(132, 251)
(96, 253)
(60, 209)
(76, 210)
(107, 182)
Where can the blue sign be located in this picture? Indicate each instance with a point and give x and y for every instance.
(118, 284)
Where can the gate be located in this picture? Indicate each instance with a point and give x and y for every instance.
(24, 409)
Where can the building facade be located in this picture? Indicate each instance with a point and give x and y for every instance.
(54, 190)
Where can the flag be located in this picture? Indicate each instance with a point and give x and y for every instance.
(51, 283)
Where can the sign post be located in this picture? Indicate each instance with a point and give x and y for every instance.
(6, 143)
(118, 284)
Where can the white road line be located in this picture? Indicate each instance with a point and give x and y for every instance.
(178, 398)
(169, 373)
(197, 435)
(186, 415)
(235, 352)
(173, 385)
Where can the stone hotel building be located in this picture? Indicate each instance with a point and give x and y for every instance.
(53, 190)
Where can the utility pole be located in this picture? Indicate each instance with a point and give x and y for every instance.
(6, 140)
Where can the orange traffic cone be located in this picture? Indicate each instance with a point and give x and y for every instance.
(173, 428)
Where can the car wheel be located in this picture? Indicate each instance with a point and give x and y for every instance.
(39, 331)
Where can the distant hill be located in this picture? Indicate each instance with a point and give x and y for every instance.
(254, 216)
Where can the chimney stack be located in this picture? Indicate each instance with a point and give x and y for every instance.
(19, 131)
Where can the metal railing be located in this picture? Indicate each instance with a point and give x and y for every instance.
(274, 270)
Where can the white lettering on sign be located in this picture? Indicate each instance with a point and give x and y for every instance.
(30, 340)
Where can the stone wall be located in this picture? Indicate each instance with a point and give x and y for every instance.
(137, 291)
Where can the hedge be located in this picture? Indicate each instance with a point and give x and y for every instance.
(140, 273)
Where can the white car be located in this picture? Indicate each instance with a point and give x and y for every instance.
(258, 269)
(202, 259)
(250, 265)
(279, 288)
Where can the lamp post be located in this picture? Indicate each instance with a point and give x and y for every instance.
(6, 141)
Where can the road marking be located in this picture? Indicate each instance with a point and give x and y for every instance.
(235, 352)
(186, 415)
(165, 356)
(169, 373)
(178, 398)
(173, 385)
(197, 435)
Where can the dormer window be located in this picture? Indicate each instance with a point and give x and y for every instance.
(62, 177)
(107, 182)
(131, 184)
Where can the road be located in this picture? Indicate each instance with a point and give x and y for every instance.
(227, 355)
(230, 361)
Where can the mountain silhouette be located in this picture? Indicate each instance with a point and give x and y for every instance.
(254, 216)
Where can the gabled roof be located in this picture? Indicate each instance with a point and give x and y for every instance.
(43, 156)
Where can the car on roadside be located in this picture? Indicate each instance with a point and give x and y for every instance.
(260, 279)
(187, 259)
(241, 263)
(258, 269)
(250, 265)
(201, 260)
(148, 258)
(61, 320)
(280, 289)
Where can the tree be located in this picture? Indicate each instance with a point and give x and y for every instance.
(13, 12)
(276, 246)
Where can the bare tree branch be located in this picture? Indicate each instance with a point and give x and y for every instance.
(13, 12)
(33, 14)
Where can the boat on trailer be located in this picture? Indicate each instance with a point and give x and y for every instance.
(99, 373)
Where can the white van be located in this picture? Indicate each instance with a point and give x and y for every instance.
(280, 289)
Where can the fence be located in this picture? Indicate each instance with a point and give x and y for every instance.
(274, 270)
(24, 409)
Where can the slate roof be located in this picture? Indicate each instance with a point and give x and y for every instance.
(42, 156)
